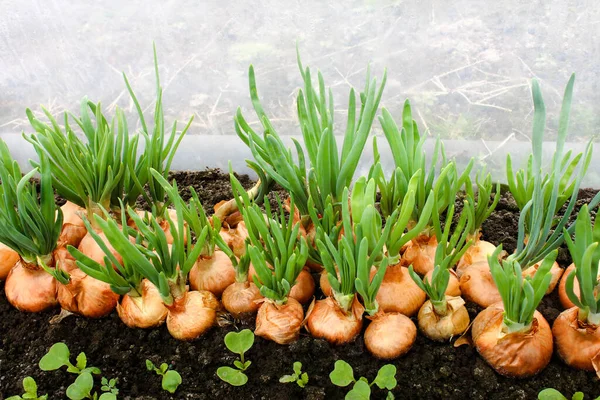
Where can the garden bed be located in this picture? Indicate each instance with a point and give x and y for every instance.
(429, 371)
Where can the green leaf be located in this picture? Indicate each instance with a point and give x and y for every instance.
(107, 396)
(30, 386)
(360, 391)
(171, 381)
(81, 388)
(239, 364)
(14, 398)
(149, 365)
(163, 368)
(297, 367)
(577, 396)
(390, 396)
(91, 370)
(303, 379)
(288, 378)
(386, 377)
(232, 376)
(342, 374)
(551, 394)
(57, 357)
(81, 361)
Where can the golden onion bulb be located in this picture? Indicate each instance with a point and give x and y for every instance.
(420, 253)
(235, 238)
(279, 323)
(562, 288)
(444, 327)
(241, 299)
(73, 229)
(144, 311)
(398, 292)
(390, 335)
(212, 273)
(8, 259)
(304, 289)
(328, 321)
(477, 285)
(90, 248)
(478, 252)
(556, 272)
(453, 288)
(577, 343)
(192, 314)
(29, 288)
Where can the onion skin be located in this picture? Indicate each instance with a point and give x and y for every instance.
(556, 272)
(279, 323)
(83, 294)
(477, 285)
(421, 254)
(478, 252)
(390, 335)
(235, 238)
(328, 321)
(145, 311)
(324, 283)
(577, 343)
(191, 315)
(453, 288)
(398, 292)
(562, 288)
(90, 248)
(443, 328)
(241, 299)
(304, 289)
(514, 354)
(29, 288)
(213, 274)
(8, 259)
(73, 229)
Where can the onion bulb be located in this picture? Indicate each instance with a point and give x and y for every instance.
(398, 292)
(518, 354)
(235, 237)
(453, 288)
(192, 314)
(29, 288)
(444, 327)
(577, 343)
(327, 320)
(421, 254)
(212, 273)
(556, 272)
(279, 323)
(144, 311)
(390, 335)
(90, 248)
(8, 259)
(478, 252)
(241, 299)
(562, 288)
(304, 289)
(83, 294)
(477, 285)
(73, 229)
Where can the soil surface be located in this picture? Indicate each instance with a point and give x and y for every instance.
(429, 371)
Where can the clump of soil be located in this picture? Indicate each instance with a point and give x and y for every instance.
(429, 371)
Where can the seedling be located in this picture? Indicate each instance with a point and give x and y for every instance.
(301, 378)
(239, 343)
(30, 388)
(110, 385)
(58, 357)
(170, 378)
(553, 394)
(82, 389)
(343, 375)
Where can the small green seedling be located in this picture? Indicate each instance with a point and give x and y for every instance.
(109, 386)
(343, 375)
(82, 389)
(58, 357)
(30, 388)
(301, 378)
(170, 378)
(553, 394)
(239, 343)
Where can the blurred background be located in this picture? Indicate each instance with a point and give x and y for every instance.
(466, 67)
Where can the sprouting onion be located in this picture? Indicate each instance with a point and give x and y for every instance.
(444, 316)
(242, 297)
(30, 226)
(278, 254)
(577, 330)
(321, 170)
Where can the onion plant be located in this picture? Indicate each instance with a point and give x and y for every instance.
(320, 170)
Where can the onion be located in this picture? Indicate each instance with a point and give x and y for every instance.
(477, 285)
(577, 343)
(73, 229)
(192, 314)
(398, 292)
(8, 259)
(235, 237)
(421, 254)
(304, 289)
(90, 248)
(562, 289)
(83, 294)
(145, 311)
(241, 299)
(327, 320)
(213, 274)
(478, 252)
(556, 272)
(164, 224)
(324, 283)
(444, 327)
(29, 288)
(279, 323)
(453, 288)
(390, 335)
(519, 354)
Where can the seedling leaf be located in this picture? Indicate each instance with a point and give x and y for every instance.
(360, 391)
(171, 381)
(288, 379)
(80, 389)
(551, 394)
(57, 356)
(342, 374)
(239, 342)
(107, 396)
(81, 361)
(232, 376)
(386, 377)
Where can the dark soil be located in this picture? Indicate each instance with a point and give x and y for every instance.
(429, 371)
